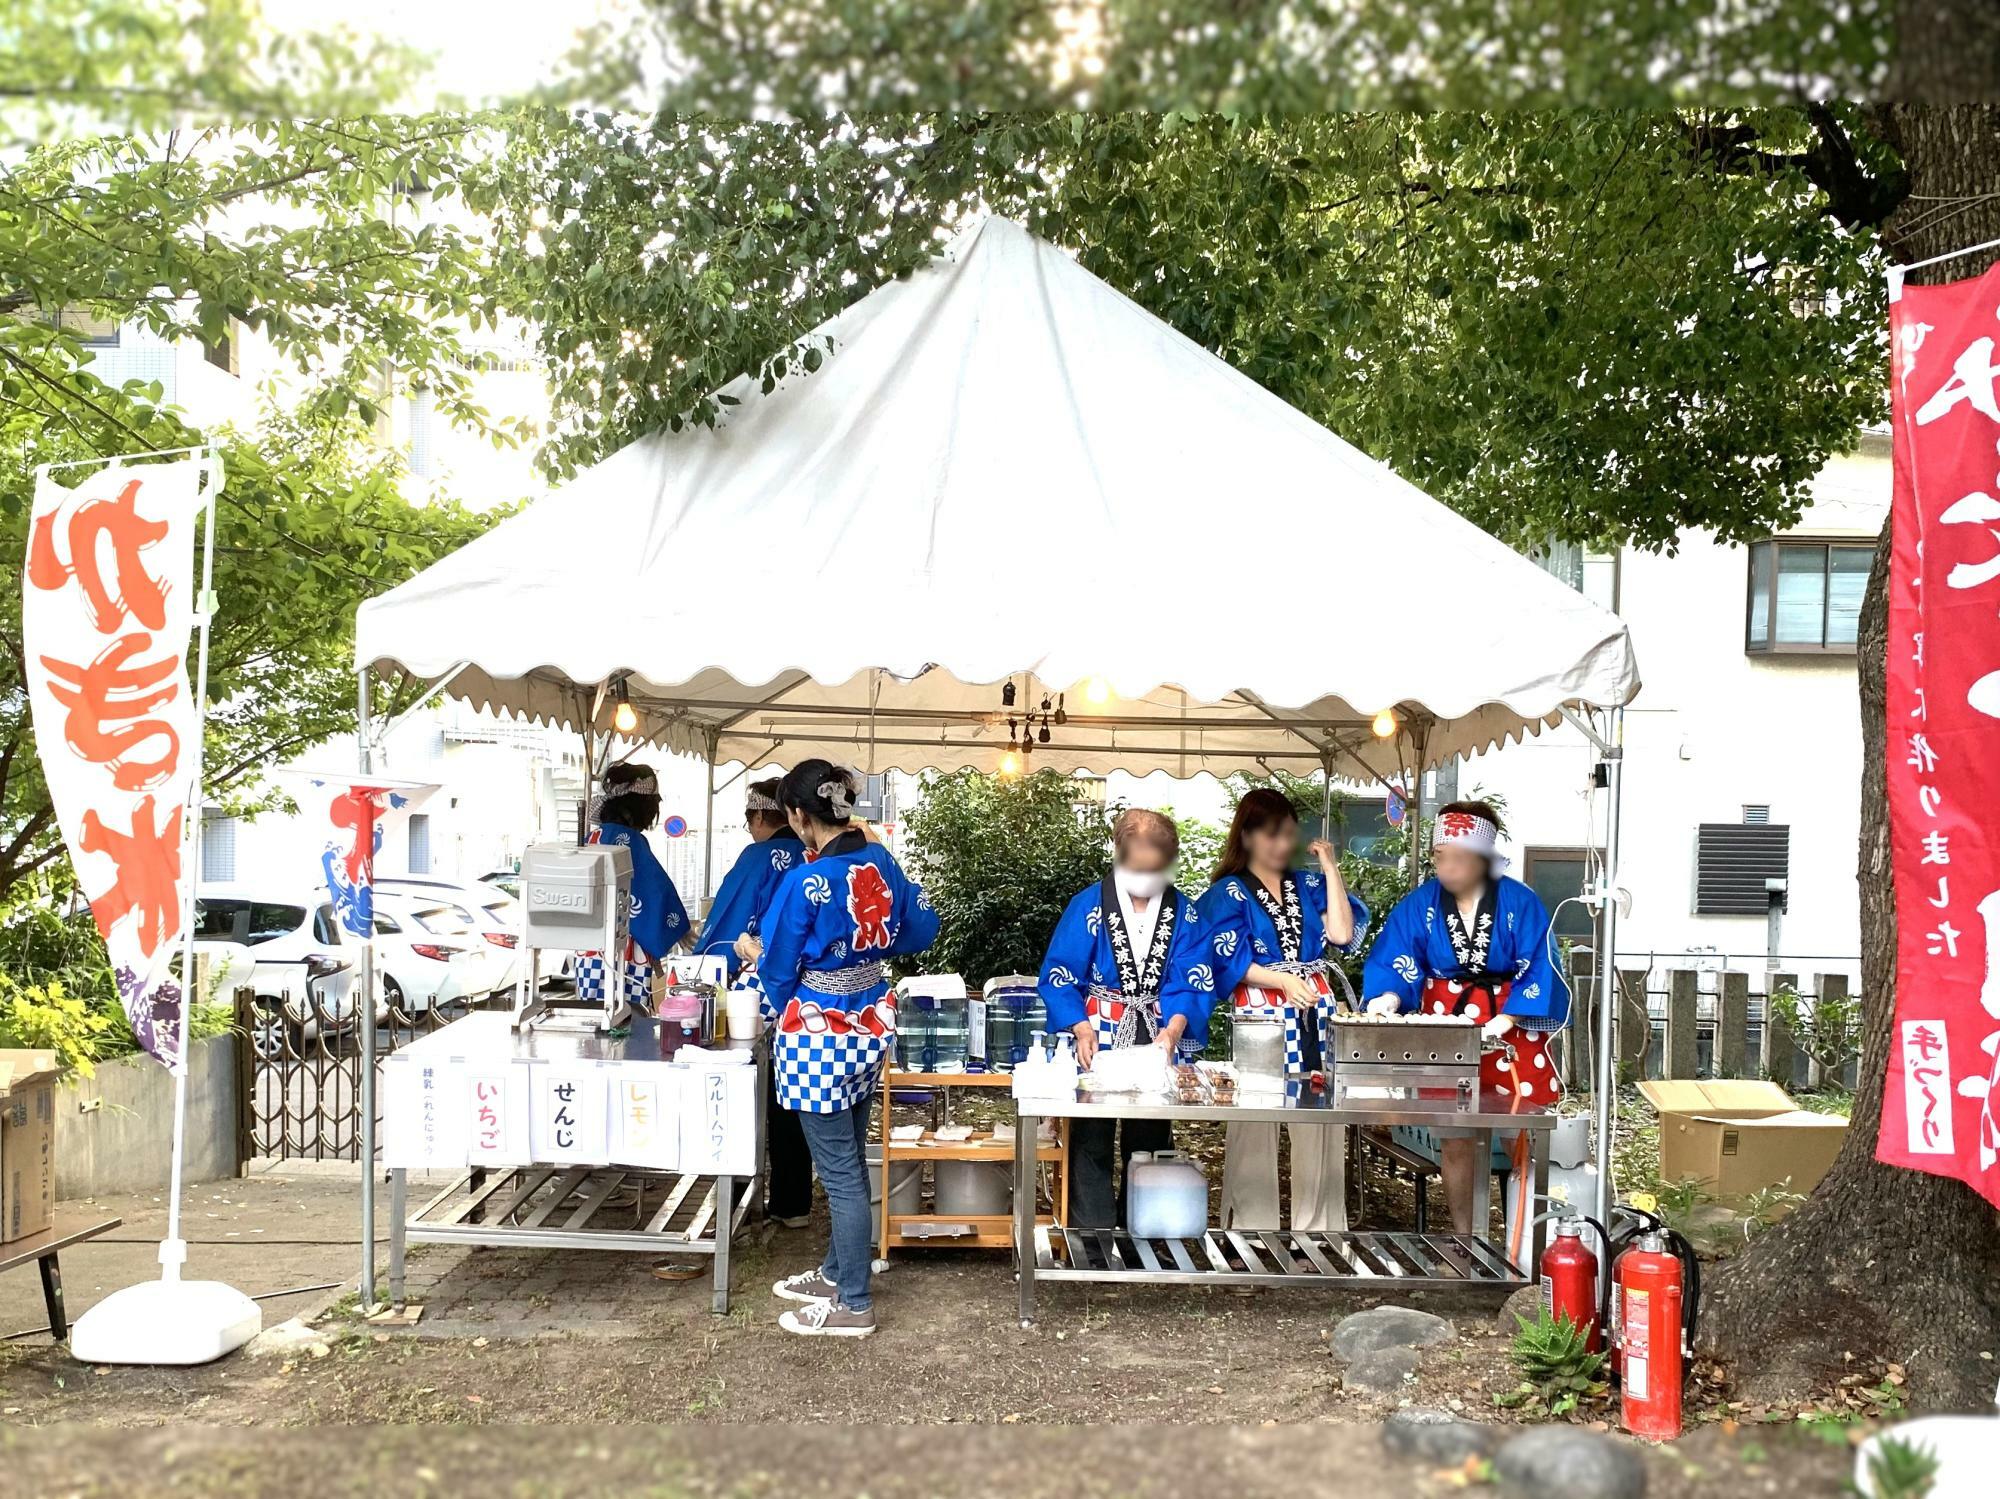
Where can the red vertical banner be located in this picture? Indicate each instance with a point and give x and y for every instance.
(1944, 732)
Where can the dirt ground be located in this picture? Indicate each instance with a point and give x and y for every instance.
(1201, 1393)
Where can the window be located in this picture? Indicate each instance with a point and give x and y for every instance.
(218, 847)
(270, 921)
(96, 332)
(222, 353)
(1806, 595)
(326, 931)
(1360, 825)
(219, 920)
(386, 926)
(1558, 875)
(1732, 860)
(420, 843)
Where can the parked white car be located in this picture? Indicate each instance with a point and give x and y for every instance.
(305, 977)
(487, 909)
(429, 954)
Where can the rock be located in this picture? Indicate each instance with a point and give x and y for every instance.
(1575, 1464)
(1381, 1371)
(1389, 1327)
(1524, 1305)
(1421, 1434)
(286, 1340)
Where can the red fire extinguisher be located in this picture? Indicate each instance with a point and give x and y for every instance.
(1649, 1326)
(1569, 1279)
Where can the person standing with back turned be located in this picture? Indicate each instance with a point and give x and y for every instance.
(831, 927)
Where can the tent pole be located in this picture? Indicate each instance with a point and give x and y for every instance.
(708, 825)
(1326, 800)
(364, 1017)
(1607, 965)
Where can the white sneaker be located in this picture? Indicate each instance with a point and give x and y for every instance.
(828, 1319)
(807, 1285)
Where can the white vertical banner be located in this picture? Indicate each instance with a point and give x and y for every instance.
(107, 608)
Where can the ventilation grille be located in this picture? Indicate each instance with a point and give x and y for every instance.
(1732, 862)
(1756, 816)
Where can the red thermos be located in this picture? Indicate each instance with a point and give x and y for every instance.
(1569, 1279)
(1648, 1296)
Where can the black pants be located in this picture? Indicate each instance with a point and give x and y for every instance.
(1092, 1144)
(788, 1162)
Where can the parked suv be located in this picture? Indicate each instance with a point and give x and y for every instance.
(305, 977)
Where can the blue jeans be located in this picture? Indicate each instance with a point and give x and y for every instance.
(839, 1145)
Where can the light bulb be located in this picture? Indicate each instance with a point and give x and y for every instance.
(1097, 691)
(625, 718)
(1010, 763)
(1385, 724)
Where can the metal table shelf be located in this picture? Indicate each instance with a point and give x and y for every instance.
(1272, 1257)
(542, 1206)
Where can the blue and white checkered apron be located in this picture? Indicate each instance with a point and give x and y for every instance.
(826, 1058)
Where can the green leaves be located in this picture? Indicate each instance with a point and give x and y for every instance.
(1559, 1373)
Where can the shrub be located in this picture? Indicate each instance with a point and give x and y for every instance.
(1558, 1370)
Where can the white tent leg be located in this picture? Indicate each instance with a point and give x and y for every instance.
(708, 826)
(364, 1019)
(1606, 1080)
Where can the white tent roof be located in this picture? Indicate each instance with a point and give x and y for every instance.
(1006, 469)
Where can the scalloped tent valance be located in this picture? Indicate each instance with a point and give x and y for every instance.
(1006, 470)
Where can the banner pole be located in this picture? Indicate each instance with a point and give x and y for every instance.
(173, 1248)
(1607, 968)
(364, 1018)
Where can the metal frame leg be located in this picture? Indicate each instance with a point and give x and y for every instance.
(1027, 1130)
(52, 1296)
(725, 1218)
(1538, 1233)
(1482, 1185)
(399, 1194)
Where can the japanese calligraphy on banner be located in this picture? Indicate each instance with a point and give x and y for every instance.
(1943, 745)
(106, 610)
(353, 811)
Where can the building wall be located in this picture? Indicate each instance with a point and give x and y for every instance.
(1714, 730)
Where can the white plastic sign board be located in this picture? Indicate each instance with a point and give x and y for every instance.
(646, 1115)
(719, 1121)
(496, 1114)
(570, 1114)
(423, 1114)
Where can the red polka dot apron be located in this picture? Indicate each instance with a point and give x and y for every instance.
(1516, 1067)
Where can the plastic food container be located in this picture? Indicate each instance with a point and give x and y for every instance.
(1166, 1197)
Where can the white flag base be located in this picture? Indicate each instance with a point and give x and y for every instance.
(166, 1321)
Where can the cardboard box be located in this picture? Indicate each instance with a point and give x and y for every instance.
(1737, 1136)
(27, 1142)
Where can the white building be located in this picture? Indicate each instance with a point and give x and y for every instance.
(1742, 752)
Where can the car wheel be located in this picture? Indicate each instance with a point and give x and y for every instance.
(392, 999)
(269, 1040)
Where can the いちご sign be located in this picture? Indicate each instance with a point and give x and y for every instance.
(106, 611)
(1943, 743)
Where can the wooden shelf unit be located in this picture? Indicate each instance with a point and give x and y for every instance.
(989, 1231)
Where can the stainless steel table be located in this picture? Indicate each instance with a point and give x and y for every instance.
(1378, 1261)
(579, 1207)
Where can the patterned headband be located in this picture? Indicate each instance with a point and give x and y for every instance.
(1469, 831)
(757, 801)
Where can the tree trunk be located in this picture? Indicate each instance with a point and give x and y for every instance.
(1883, 1262)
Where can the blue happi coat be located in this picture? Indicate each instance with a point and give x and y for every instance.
(829, 927)
(1080, 958)
(1414, 947)
(746, 891)
(656, 922)
(1242, 931)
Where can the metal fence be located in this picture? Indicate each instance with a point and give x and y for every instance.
(299, 1087)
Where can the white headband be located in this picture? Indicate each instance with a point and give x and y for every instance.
(1468, 830)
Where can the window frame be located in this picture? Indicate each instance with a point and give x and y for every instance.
(1773, 547)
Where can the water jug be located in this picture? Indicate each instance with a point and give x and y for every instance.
(1166, 1197)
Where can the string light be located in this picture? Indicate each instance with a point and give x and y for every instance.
(1097, 691)
(1385, 724)
(1010, 763)
(624, 717)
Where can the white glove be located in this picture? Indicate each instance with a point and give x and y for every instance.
(1385, 1004)
(1497, 1027)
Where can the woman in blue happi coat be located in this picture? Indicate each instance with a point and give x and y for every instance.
(730, 933)
(658, 922)
(1128, 966)
(830, 928)
(1274, 931)
(1471, 941)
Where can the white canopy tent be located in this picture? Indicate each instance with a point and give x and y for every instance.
(1005, 472)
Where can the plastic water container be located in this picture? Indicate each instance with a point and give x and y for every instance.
(1014, 1013)
(946, 1052)
(1166, 1197)
(915, 1027)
